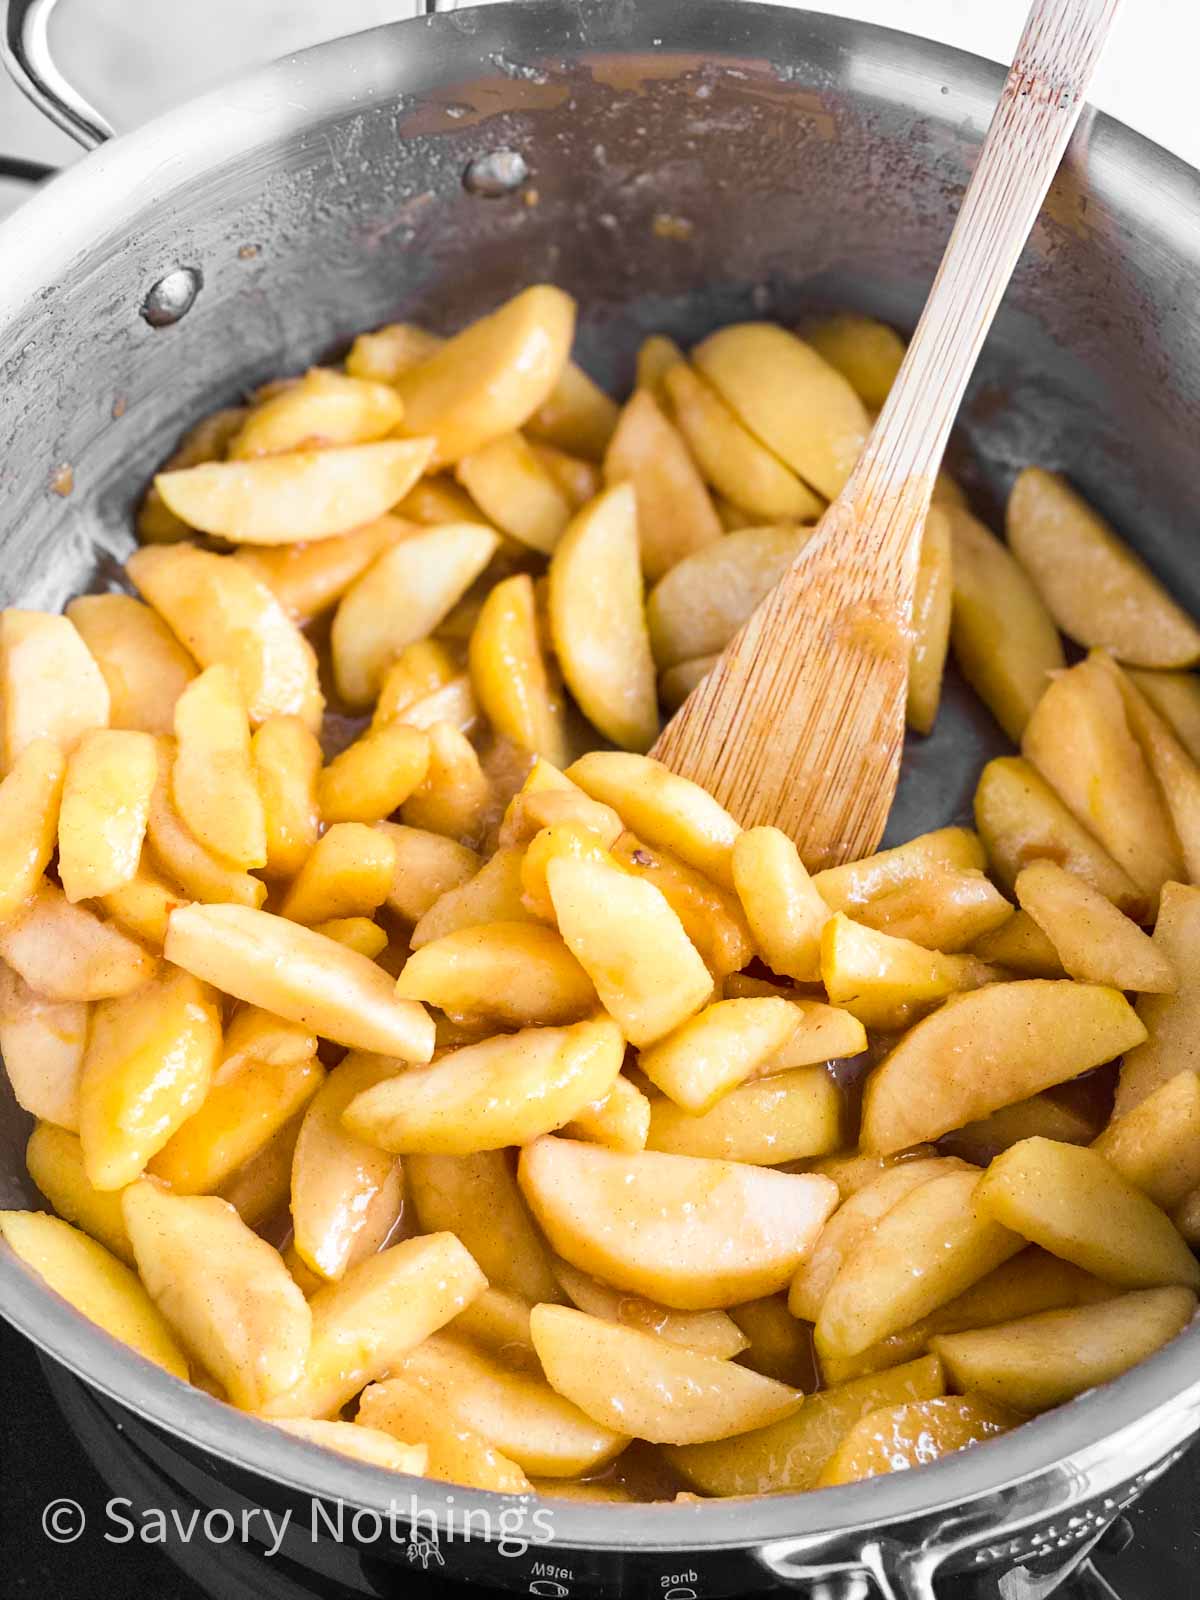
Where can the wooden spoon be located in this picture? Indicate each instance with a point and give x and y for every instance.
(801, 721)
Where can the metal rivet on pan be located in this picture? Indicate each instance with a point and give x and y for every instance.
(172, 297)
(498, 173)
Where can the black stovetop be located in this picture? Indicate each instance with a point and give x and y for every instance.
(41, 1461)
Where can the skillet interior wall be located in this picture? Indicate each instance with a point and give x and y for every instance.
(685, 176)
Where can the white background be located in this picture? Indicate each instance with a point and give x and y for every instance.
(136, 57)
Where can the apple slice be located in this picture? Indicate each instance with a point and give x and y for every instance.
(221, 612)
(1043, 1361)
(54, 1159)
(517, 1412)
(30, 799)
(1073, 1203)
(88, 1277)
(404, 1409)
(694, 1234)
(147, 1069)
(336, 1176)
(360, 1443)
(886, 982)
(1156, 1144)
(42, 1043)
(224, 1290)
(854, 1221)
(931, 1246)
(784, 910)
(709, 1333)
(503, 1091)
(791, 1454)
(1172, 1020)
(401, 598)
(1095, 942)
(1098, 591)
(476, 1197)
(712, 1053)
(669, 812)
(509, 673)
(517, 973)
(1020, 1037)
(301, 975)
(898, 1438)
(363, 1325)
(784, 1117)
(213, 782)
(634, 1383)
(322, 408)
(598, 620)
(625, 936)
(791, 399)
(300, 495)
(491, 377)
(66, 952)
(50, 685)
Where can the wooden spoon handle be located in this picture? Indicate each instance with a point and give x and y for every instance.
(1038, 108)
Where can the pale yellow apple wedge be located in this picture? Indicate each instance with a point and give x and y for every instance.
(148, 1066)
(54, 1160)
(1072, 1202)
(220, 612)
(934, 1243)
(301, 975)
(1172, 1021)
(30, 799)
(791, 1454)
(598, 620)
(789, 397)
(886, 982)
(517, 1412)
(91, 1279)
(302, 494)
(363, 1325)
(1156, 1144)
(1002, 635)
(696, 1235)
(400, 598)
(503, 1091)
(335, 1176)
(634, 1383)
(1021, 820)
(782, 905)
(66, 952)
(224, 1290)
(1095, 942)
(42, 1043)
(853, 1222)
(899, 1438)
(492, 377)
(711, 1333)
(669, 812)
(621, 930)
(144, 666)
(476, 1197)
(405, 1410)
(321, 409)
(713, 1052)
(510, 674)
(50, 685)
(695, 609)
(783, 1117)
(1099, 592)
(1043, 1361)
(1020, 1038)
(518, 973)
